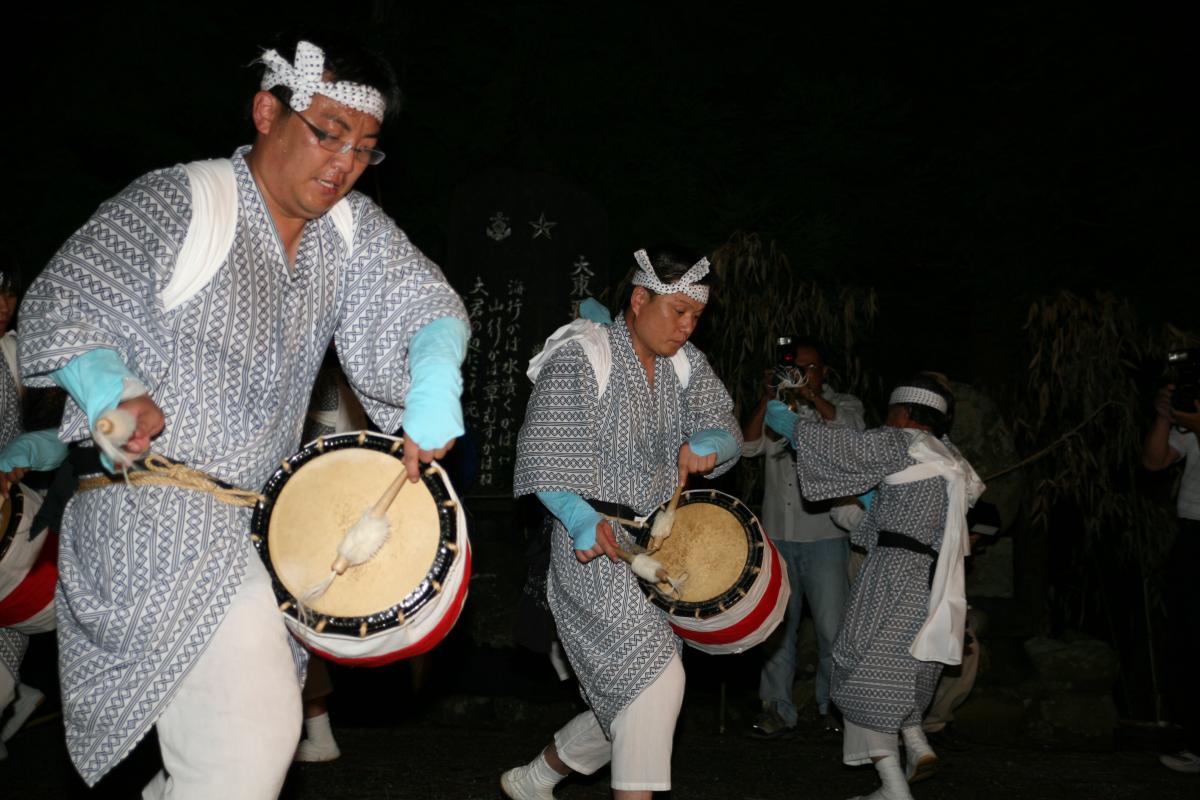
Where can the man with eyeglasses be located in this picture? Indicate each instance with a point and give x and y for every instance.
(812, 547)
(202, 299)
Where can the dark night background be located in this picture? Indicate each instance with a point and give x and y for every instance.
(967, 159)
(962, 160)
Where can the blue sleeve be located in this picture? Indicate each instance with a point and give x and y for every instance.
(782, 420)
(40, 451)
(96, 381)
(391, 296)
(574, 512)
(433, 406)
(714, 440)
(707, 409)
(593, 310)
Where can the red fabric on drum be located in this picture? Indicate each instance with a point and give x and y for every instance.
(426, 643)
(36, 590)
(752, 620)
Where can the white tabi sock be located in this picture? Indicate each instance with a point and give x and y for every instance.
(534, 781)
(319, 744)
(894, 787)
(545, 775)
(920, 761)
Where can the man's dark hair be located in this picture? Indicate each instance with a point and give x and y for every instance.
(812, 343)
(939, 423)
(8, 283)
(671, 262)
(346, 59)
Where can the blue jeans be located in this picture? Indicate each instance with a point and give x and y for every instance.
(816, 570)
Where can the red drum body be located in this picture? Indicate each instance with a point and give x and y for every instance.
(737, 589)
(28, 567)
(401, 602)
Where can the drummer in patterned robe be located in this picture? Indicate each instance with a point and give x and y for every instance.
(166, 616)
(620, 415)
(906, 614)
(20, 452)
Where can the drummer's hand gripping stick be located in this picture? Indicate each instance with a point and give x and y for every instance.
(363, 540)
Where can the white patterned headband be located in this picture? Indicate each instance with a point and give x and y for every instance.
(647, 277)
(305, 78)
(918, 397)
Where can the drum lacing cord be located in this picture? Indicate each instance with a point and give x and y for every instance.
(161, 471)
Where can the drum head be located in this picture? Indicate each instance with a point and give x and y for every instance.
(323, 500)
(708, 543)
(718, 542)
(311, 502)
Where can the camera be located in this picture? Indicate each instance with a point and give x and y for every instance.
(788, 377)
(785, 351)
(1183, 370)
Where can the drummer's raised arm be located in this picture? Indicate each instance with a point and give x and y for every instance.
(709, 424)
(402, 334)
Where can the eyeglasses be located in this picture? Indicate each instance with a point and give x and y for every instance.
(335, 144)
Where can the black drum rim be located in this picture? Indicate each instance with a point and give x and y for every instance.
(425, 592)
(755, 556)
(16, 502)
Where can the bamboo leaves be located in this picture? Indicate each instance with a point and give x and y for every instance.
(1086, 353)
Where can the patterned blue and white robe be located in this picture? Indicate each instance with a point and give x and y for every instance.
(11, 425)
(12, 643)
(877, 684)
(620, 448)
(146, 575)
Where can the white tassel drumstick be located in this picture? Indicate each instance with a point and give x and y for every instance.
(113, 430)
(651, 570)
(363, 540)
(664, 522)
(366, 536)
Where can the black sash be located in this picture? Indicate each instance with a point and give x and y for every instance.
(613, 509)
(900, 541)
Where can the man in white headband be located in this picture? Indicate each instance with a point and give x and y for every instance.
(620, 415)
(201, 299)
(906, 614)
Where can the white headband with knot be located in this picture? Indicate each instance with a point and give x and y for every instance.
(305, 78)
(919, 397)
(647, 277)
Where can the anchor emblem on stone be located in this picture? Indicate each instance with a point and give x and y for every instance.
(498, 228)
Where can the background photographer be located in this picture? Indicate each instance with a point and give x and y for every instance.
(811, 546)
(1172, 437)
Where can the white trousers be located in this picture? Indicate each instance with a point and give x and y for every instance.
(861, 745)
(642, 734)
(231, 729)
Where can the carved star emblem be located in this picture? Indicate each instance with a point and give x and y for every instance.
(541, 226)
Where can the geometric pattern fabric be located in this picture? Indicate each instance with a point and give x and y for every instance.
(146, 574)
(877, 684)
(622, 447)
